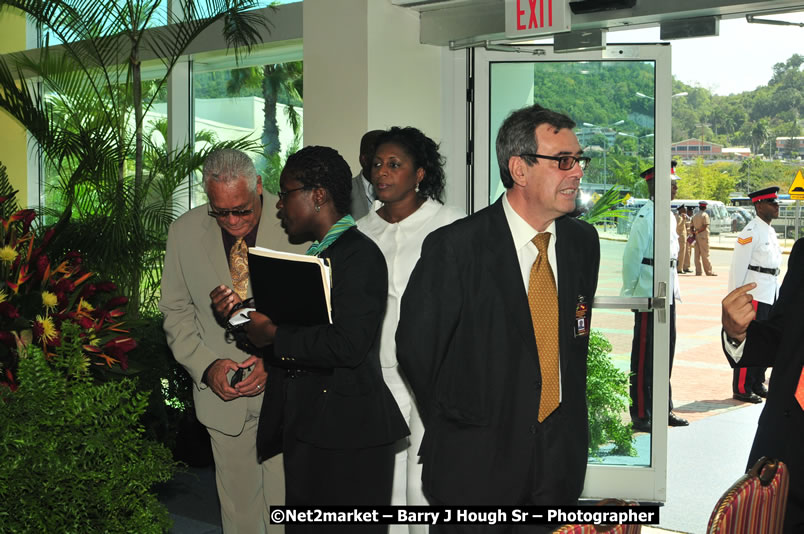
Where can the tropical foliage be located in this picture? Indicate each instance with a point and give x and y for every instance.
(73, 457)
(39, 297)
(607, 399)
(90, 121)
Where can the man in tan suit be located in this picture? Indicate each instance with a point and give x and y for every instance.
(690, 241)
(681, 230)
(201, 245)
(700, 226)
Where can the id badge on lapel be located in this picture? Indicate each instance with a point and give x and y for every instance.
(581, 317)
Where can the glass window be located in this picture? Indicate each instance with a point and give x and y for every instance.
(261, 103)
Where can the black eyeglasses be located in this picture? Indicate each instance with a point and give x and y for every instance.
(222, 214)
(284, 194)
(565, 163)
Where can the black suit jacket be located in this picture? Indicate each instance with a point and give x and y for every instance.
(465, 342)
(778, 342)
(344, 403)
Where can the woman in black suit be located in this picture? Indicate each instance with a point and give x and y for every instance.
(326, 406)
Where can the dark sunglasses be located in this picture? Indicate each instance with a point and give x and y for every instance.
(565, 163)
(222, 214)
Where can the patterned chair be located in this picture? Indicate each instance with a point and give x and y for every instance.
(609, 529)
(755, 504)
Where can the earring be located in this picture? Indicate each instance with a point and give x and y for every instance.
(317, 208)
(417, 187)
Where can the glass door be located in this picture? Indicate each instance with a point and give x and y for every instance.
(620, 101)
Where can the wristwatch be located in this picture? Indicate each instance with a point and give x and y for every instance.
(733, 342)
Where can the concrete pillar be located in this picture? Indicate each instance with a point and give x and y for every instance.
(365, 69)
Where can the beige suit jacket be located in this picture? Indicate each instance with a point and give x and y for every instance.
(195, 262)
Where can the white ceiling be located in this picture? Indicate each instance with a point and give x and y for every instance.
(460, 22)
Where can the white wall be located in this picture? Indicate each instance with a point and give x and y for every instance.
(365, 69)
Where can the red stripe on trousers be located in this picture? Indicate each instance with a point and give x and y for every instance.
(643, 341)
(743, 370)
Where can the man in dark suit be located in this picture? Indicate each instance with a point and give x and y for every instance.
(479, 357)
(363, 195)
(777, 342)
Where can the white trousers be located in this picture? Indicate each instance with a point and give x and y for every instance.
(407, 488)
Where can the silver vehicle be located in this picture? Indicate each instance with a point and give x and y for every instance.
(719, 218)
(739, 217)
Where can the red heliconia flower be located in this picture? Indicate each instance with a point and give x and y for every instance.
(74, 257)
(7, 339)
(10, 381)
(88, 291)
(6, 197)
(26, 216)
(64, 286)
(106, 287)
(48, 236)
(120, 345)
(38, 329)
(118, 349)
(9, 310)
(85, 322)
(42, 264)
(116, 302)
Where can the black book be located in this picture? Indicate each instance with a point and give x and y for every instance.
(289, 288)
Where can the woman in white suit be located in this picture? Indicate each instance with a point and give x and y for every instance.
(408, 178)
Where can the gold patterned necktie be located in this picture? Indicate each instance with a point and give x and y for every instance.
(238, 267)
(543, 301)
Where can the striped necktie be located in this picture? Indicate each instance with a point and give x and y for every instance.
(543, 302)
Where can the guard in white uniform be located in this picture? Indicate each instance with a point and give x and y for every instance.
(638, 282)
(757, 258)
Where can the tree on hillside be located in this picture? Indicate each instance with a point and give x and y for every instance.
(713, 182)
(754, 173)
(759, 134)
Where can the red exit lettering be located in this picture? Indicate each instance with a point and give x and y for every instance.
(534, 7)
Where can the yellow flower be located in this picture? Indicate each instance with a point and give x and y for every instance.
(48, 332)
(85, 306)
(8, 254)
(49, 300)
(3, 295)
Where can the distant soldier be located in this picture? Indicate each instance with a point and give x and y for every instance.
(681, 230)
(690, 243)
(638, 282)
(757, 258)
(700, 227)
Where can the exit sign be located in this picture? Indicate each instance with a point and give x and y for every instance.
(528, 18)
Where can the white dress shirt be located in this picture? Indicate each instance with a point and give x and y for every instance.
(526, 252)
(401, 244)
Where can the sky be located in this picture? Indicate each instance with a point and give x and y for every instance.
(740, 59)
